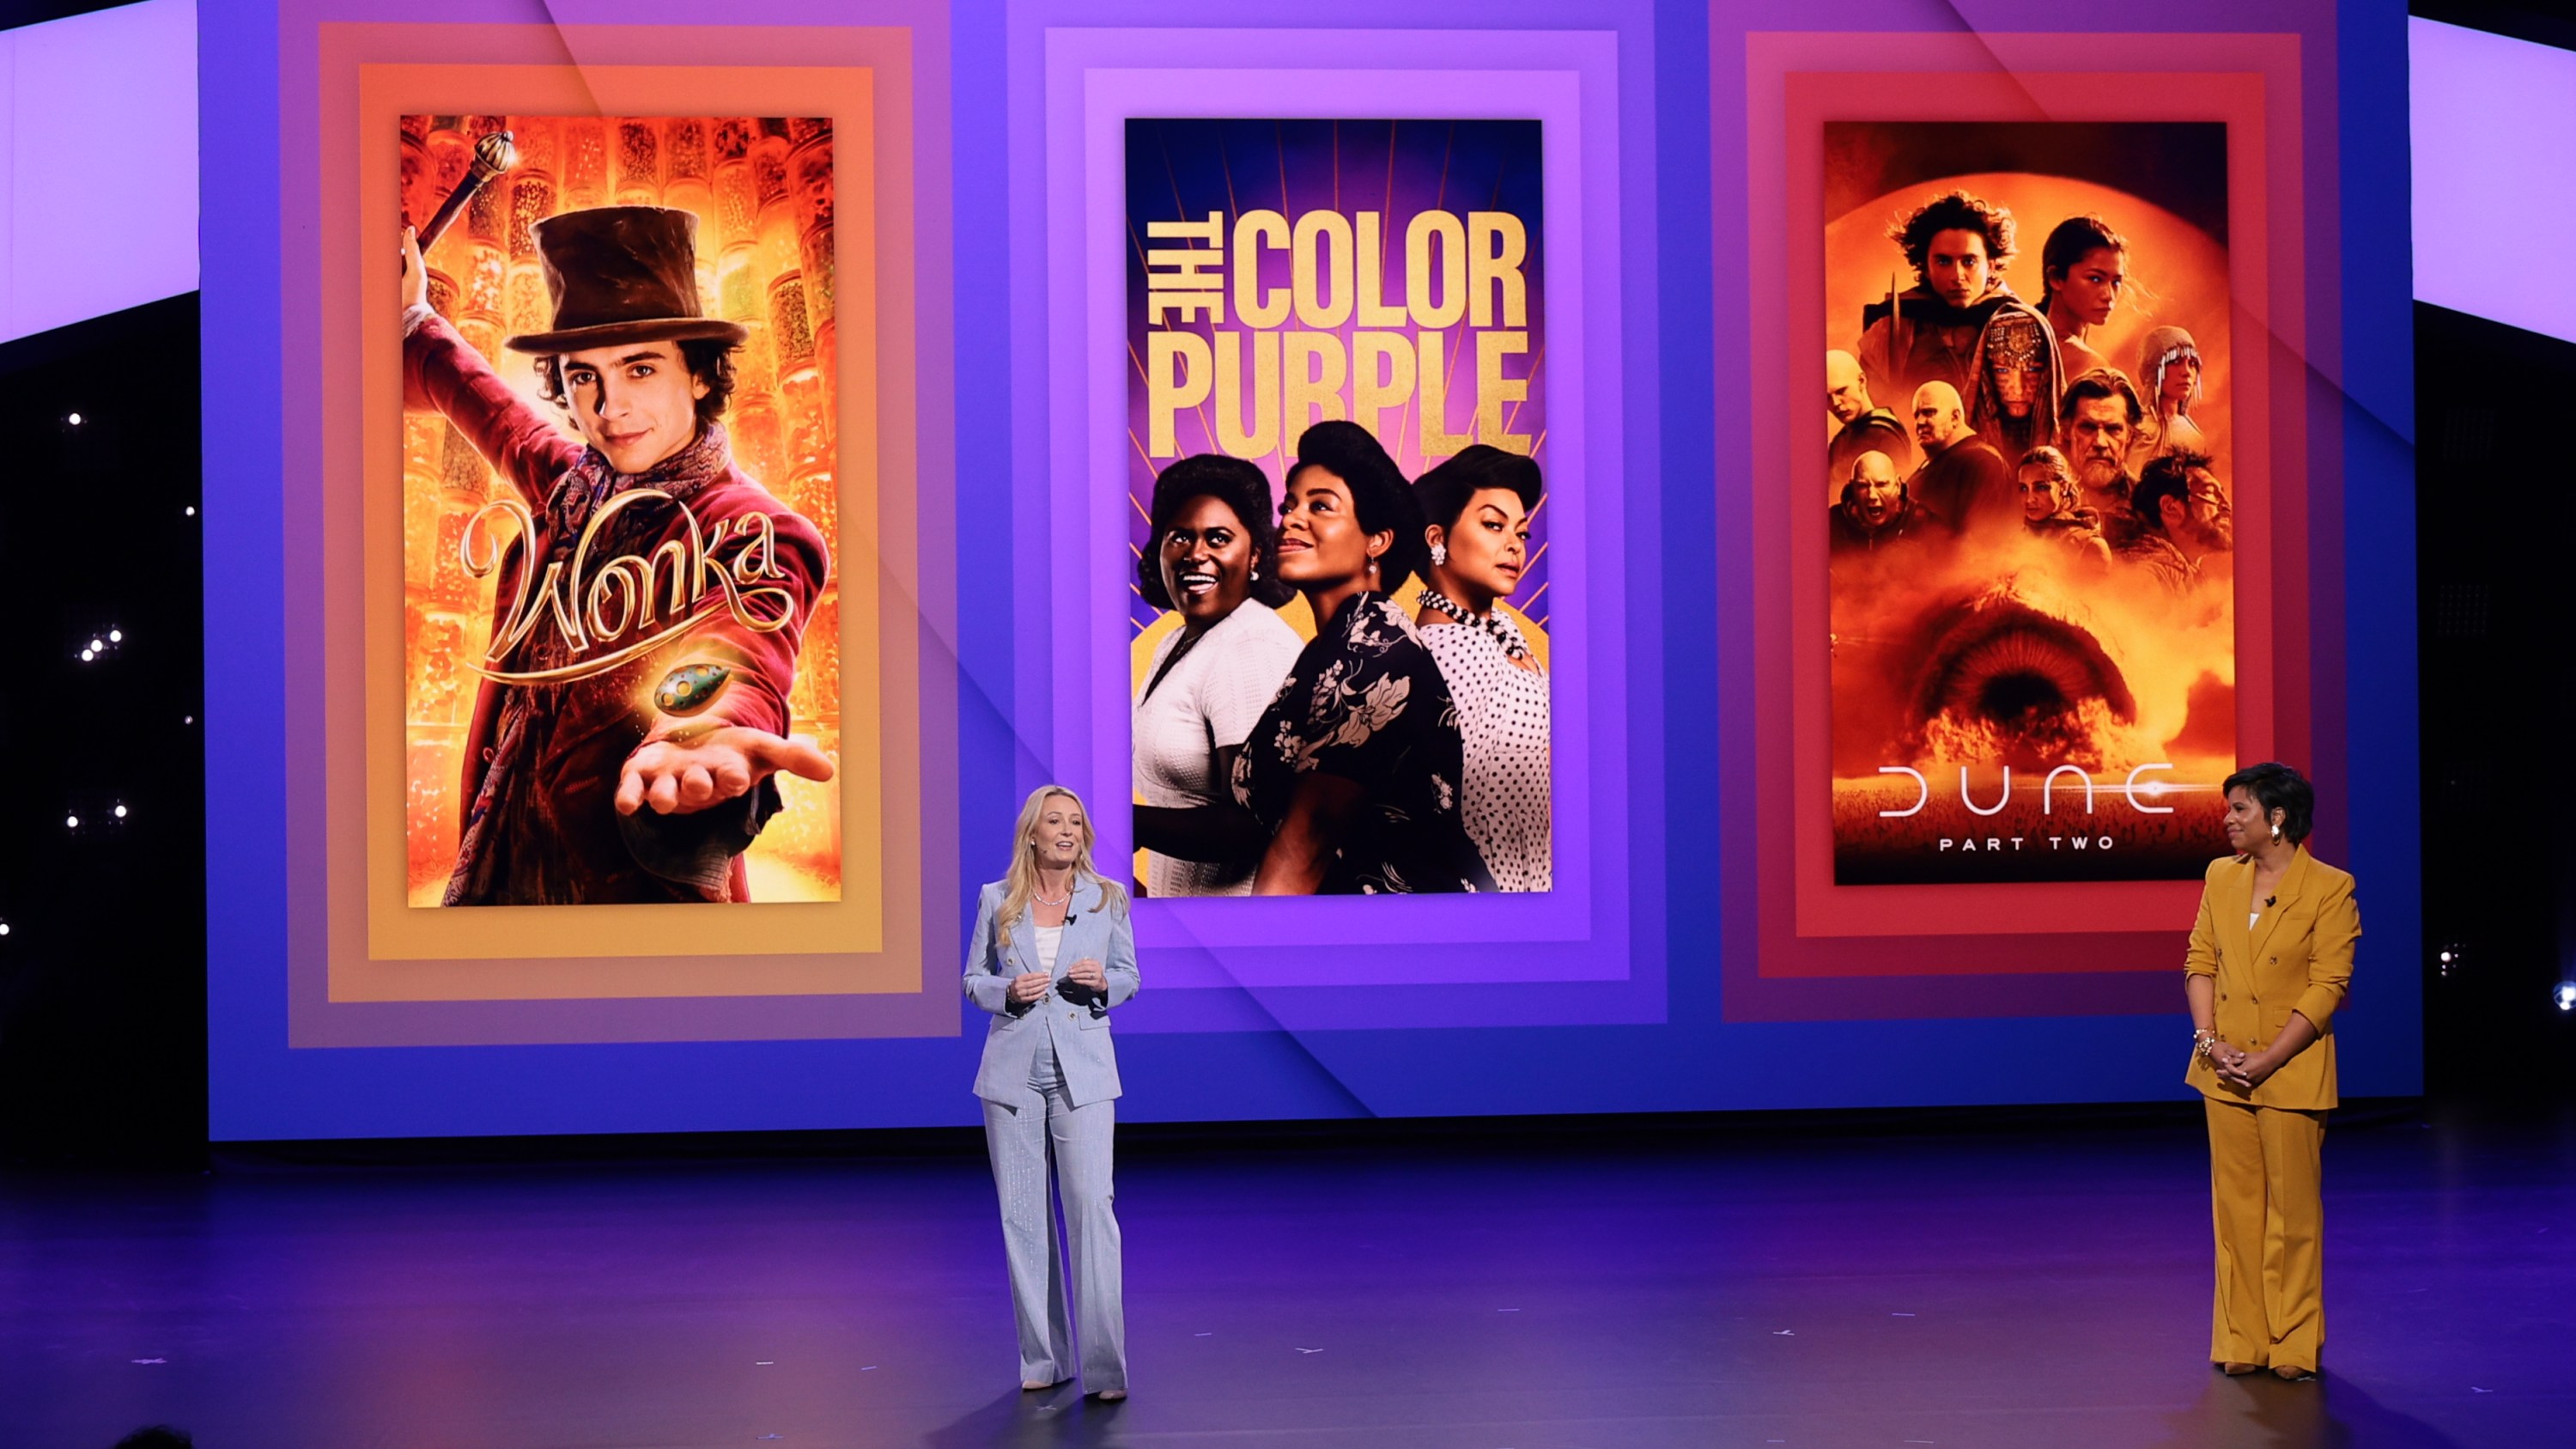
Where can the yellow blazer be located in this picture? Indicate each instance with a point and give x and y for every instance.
(2297, 957)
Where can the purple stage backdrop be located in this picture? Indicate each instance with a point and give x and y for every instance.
(1609, 992)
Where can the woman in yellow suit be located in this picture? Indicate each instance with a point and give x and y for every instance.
(2270, 960)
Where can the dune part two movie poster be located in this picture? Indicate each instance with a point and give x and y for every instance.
(2031, 529)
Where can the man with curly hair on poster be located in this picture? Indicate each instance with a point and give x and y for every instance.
(652, 599)
(1958, 246)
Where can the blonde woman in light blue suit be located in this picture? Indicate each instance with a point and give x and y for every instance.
(1053, 952)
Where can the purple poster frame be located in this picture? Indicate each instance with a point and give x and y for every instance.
(1069, 470)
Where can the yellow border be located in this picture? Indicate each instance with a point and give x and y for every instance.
(492, 953)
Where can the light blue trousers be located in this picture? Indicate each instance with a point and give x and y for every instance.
(1039, 1129)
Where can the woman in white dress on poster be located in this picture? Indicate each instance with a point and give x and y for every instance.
(1476, 508)
(1212, 557)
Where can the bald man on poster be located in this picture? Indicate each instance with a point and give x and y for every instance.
(1865, 427)
(1963, 479)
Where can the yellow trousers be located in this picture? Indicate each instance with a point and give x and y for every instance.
(2270, 1216)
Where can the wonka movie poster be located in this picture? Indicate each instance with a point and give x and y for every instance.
(620, 684)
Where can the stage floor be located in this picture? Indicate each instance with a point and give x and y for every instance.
(2044, 1287)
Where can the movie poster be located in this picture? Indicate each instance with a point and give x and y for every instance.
(619, 520)
(2032, 535)
(1338, 520)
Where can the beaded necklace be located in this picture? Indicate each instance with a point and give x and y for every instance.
(1441, 603)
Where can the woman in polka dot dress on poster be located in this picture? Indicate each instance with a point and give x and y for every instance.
(1476, 508)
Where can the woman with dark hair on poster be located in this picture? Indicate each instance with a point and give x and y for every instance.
(1476, 509)
(1355, 769)
(2270, 961)
(2083, 268)
(1053, 952)
(1212, 556)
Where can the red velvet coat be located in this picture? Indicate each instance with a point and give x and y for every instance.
(542, 760)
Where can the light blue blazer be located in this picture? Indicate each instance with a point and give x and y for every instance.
(1075, 1019)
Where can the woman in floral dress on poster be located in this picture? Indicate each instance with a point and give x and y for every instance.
(1356, 768)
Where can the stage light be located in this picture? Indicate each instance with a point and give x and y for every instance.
(74, 420)
(2450, 958)
(4, 928)
(87, 656)
(71, 822)
(120, 812)
(115, 636)
(187, 719)
(2565, 996)
(97, 645)
(192, 510)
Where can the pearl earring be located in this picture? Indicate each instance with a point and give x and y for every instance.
(1439, 554)
(2276, 832)
(1372, 565)
(1256, 576)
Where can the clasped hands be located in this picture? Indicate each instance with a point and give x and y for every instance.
(1029, 986)
(2240, 1068)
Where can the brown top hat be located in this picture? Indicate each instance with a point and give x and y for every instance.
(621, 274)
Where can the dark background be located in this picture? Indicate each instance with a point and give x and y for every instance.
(2499, 706)
(2178, 165)
(103, 971)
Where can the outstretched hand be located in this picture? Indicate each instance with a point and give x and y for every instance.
(679, 775)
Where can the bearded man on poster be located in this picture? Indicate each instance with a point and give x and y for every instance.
(624, 741)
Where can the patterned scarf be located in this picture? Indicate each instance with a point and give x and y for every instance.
(591, 482)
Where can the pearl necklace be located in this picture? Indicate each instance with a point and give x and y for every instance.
(1441, 603)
